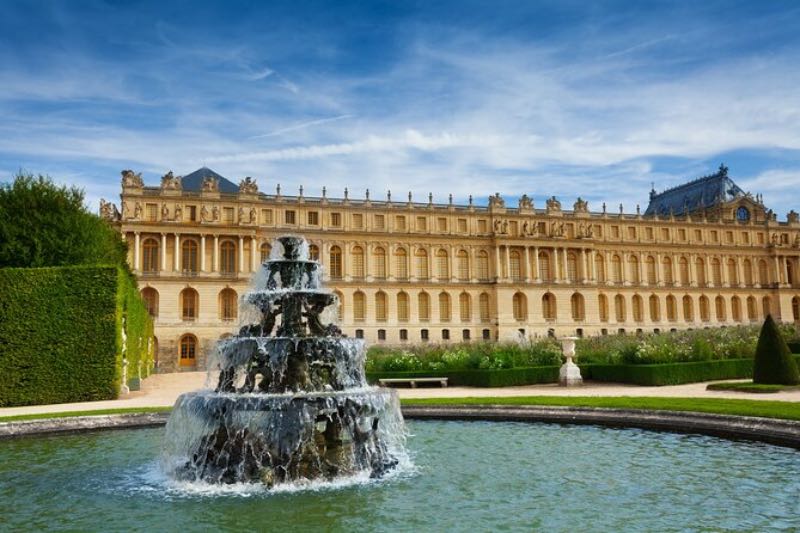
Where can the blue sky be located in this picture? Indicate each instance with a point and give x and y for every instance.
(596, 99)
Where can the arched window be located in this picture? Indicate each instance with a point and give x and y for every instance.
(463, 265)
(402, 306)
(766, 306)
(705, 309)
(150, 256)
(380, 306)
(572, 267)
(688, 308)
(266, 250)
(578, 307)
(795, 308)
(444, 307)
(515, 266)
(189, 304)
(188, 350)
(619, 308)
(465, 307)
(655, 308)
(616, 269)
(651, 270)
(672, 308)
(227, 257)
(483, 303)
(335, 264)
(483, 265)
(313, 252)
(519, 304)
(189, 256)
(683, 264)
(339, 305)
(227, 304)
(637, 306)
(602, 304)
(422, 263)
(549, 306)
(763, 273)
(545, 272)
(424, 306)
(720, 308)
(442, 265)
(666, 267)
(716, 272)
(748, 272)
(752, 309)
(357, 262)
(379, 263)
(733, 274)
(700, 272)
(150, 297)
(736, 309)
(633, 269)
(600, 268)
(401, 263)
(359, 306)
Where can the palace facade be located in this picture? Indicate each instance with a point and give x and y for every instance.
(702, 254)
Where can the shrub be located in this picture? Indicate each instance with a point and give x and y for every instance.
(669, 374)
(773, 361)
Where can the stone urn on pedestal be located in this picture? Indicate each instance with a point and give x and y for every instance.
(569, 375)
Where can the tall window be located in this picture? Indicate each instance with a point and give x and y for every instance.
(150, 256)
(402, 306)
(150, 297)
(465, 307)
(379, 265)
(683, 264)
(616, 269)
(483, 265)
(227, 257)
(655, 308)
(548, 306)
(189, 255)
(227, 304)
(720, 308)
(733, 275)
(444, 307)
(313, 252)
(424, 306)
(600, 268)
(463, 265)
(359, 306)
(266, 250)
(483, 303)
(442, 265)
(380, 306)
(545, 272)
(752, 310)
(666, 267)
(602, 304)
(748, 272)
(633, 267)
(688, 309)
(637, 308)
(572, 267)
(763, 273)
(651, 270)
(188, 348)
(422, 263)
(766, 306)
(700, 272)
(401, 263)
(736, 309)
(619, 307)
(716, 272)
(189, 304)
(336, 262)
(705, 309)
(578, 310)
(357, 263)
(519, 304)
(672, 308)
(515, 269)
(795, 308)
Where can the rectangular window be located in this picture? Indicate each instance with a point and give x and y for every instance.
(445, 334)
(465, 335)
(760, 238)
(422, 224)
(381, 334)
(483, 226)
(379, 222)
(152, 212)
(462, 225)
(266, 216)
(649, 234)
(227, 213)
(192, 213)
(615, 232)
(336, 220)
(514, 229)
(729, 237)
(682, 234)
(441, 224)
(403, 334)
(745, 238)
(632, 233)
(359, 334)
(423, 334)
(664, 234)
(598, 231)
(487, 335)
(698, 235)
(714, 236)
(358, 221)
(313, 218)
(289, 217)
(400, 223)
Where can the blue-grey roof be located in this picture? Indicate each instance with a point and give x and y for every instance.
(701, 193)
(194, 181)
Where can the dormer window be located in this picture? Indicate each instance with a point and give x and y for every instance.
(742, 214)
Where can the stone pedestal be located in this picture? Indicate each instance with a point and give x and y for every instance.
(569, 375)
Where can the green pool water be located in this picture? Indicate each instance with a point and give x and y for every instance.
(467, 476)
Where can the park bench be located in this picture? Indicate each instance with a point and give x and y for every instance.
(412, 381)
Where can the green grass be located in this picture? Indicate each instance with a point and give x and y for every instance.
(724, 406)
(749, 386)
(99, 412)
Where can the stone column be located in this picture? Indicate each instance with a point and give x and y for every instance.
(582, 273)
(136, 242)
(565, 270)
(536, 264)
(507, 264)
(241, 254)
(253, 254)
(723, 263)
(216, 253)
(739, 277)
(777, 266)
(607, 265)
(163, 252)
(527, 264)
(497, 272)
(202, 253)
(692, 266)
(641, 271)
(659, 275)
(177, 252)
(593, 265)
(451, 264)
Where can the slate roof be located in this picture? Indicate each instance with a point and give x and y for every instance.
(701, 193)
(194, 181)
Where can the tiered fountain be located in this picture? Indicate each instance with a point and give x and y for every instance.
(288, 406)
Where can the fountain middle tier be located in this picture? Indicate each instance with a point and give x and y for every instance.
(281, 364)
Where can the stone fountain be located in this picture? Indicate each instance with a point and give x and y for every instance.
(291, 401)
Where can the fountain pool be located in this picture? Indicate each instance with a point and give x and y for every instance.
(468, 476)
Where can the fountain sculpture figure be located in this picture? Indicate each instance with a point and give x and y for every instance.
(290, 405)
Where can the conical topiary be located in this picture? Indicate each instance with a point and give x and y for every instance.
(774, 363)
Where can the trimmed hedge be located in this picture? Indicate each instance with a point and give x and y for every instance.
(505, 377)
(773, 362)
(61, 333)
(670, 373)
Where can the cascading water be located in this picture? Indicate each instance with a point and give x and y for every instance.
(291, 401)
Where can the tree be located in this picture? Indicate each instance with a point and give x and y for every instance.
(773, 362)
(43, 224)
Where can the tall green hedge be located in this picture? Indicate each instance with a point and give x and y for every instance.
(61, 333)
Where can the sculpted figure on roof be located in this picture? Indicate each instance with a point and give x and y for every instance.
(170, 182)
(553, 204)
(581, 206)
(525, 202)
(131, 179)
(210, 184)
(248, 186)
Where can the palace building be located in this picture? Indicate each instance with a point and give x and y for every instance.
(702, 254)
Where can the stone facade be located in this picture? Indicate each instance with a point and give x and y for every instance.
(409, 272)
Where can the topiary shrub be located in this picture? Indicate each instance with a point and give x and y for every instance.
(774, 363)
